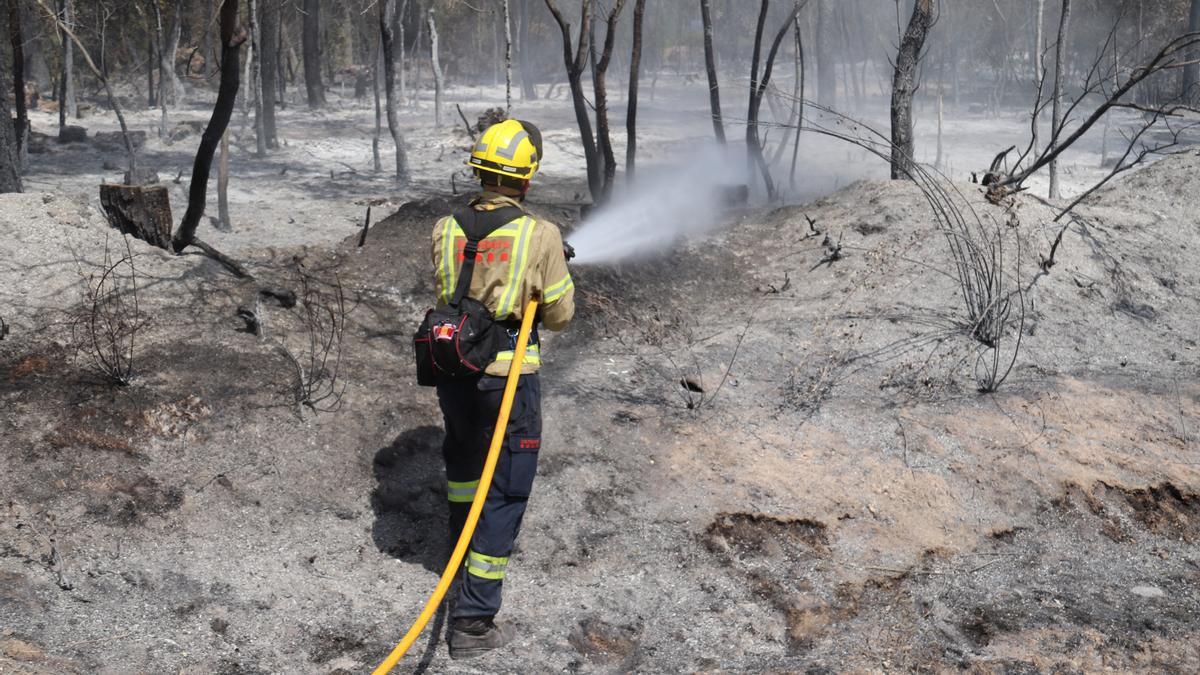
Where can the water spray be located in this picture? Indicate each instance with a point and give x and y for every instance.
(666, 204)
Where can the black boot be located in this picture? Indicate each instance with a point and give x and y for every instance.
(476, 636)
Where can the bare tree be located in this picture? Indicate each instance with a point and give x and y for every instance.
(310, 37)
(575, 64)
(508, 49)
(260, 128)
(223, 219)
(436, 63)
(67, 105)
(10, 152)
(904, 85)
(232, 37)
(21, 130)
(1103, 82)
(69, 34)
(710, 65)
(599, 72)
(1036, 60)
(800, 73)
(528, 88)
(826, 68)
(167, 75)
(758, 89)
(387, 20)
(269, 67)
(1056, 119)
(1191, 73)
(635, 71)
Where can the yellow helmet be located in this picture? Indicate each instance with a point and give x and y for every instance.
(511, 148)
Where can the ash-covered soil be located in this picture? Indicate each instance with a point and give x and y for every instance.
(766, 451)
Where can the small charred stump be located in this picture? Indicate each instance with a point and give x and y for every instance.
(141, 212)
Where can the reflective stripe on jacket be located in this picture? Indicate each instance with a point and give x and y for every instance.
(520, 260)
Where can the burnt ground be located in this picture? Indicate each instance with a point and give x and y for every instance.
(829, 492)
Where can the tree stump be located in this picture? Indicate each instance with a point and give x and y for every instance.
(142, 212)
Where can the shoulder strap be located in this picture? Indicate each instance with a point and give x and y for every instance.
(477, 225)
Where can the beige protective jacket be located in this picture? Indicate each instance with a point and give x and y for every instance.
(519, 261)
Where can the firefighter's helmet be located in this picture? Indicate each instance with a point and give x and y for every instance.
(511, 148)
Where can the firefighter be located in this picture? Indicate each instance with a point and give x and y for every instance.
(521, 259)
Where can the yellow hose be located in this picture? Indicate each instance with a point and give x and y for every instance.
(485, 484)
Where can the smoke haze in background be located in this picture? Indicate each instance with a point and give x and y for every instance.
(664, 205)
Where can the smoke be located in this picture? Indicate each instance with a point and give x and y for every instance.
(664, 205)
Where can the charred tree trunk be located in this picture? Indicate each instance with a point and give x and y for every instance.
(377, 136)
(800, 103)
(1056, 120)
(163, 94)
(826, 68)
(1039, 71)
(310, 38)
(269, 67)
(10, 153)
(528, 88)
(37, 68)
(152, 40)
(600, 87)
(904, 85)
(260, 130)
(401, 58)
(635, 74)
(575, 65)
(232, 37)
(387, 21)
(21, 130)
(758, 89)
(1191, 72)
(437, 71)
(508, 50)
(223, 219)
(67, 105)
(170, 47)
(710, 65)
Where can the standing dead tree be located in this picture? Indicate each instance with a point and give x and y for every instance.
(435, 62)
(575, 64)
(710, 65)
(232, 37)
(269, 62)
(310, 37)
(10, 136)
(600, 65)
(508, 49)
(131, 177)
(1114, 92)
(387, 20)
(1039, 68)
(904, 85)
(67, 105)
(18, 70)
(635, 71)
(260, 128)
(758, 89)
(1056, 118)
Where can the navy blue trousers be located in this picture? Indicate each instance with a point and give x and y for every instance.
(470, 407)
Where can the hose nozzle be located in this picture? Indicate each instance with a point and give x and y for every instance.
(568, 251)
